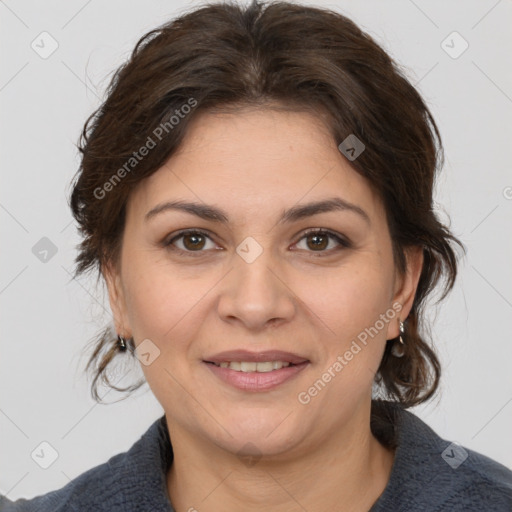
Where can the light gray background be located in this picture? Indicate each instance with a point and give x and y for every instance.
(47, 318)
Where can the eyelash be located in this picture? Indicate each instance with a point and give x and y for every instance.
(345, 244)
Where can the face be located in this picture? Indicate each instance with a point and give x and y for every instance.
(263, 274)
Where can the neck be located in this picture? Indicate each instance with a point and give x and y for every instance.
(347, 470)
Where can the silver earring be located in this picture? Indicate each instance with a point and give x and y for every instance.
(398, 349)
(121, 343)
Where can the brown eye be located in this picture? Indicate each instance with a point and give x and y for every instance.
(318, 241)
(193, 241)
(189, 242)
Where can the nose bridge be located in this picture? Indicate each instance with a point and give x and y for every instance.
(255, 293)
(254, 279)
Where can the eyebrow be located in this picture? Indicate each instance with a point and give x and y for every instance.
(212, 213)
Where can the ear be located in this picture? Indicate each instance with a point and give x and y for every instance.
(405, 287)
(117, 300)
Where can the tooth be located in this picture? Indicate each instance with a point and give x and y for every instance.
(266, 367)
(248, 367)
(277, 365)
(251, 366)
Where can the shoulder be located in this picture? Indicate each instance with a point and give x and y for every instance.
(475, 480)
(431, 473)
(465, 480)
(132, 480)
(92, 489)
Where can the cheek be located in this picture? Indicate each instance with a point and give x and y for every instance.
(156, 301)
(164, 309)
(159, 310)
(352, 299)
(168, 308)
(352, 307)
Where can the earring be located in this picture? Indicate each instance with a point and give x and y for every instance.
(121, 343)
(398, 348)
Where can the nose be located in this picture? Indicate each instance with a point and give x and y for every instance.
(256, 294)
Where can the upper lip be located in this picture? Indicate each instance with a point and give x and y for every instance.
(245, 355)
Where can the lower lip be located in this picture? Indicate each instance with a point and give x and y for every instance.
(256, 381)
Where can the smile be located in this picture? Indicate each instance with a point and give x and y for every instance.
(250, 366)
(255, 376)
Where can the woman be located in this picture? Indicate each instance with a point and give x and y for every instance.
(257, 193)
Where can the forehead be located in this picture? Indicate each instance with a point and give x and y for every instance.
(249, 161)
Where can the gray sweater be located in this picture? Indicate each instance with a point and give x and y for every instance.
(428, 474)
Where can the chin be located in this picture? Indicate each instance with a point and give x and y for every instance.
(251, 448)
(259, 435)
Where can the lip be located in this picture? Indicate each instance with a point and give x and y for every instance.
(256, 381)
(256, 357)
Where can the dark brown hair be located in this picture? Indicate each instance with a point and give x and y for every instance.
(226, 57)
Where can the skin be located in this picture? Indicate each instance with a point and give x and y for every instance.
(254, 164)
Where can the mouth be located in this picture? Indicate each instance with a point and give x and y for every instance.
(255, 372)
(251, 366)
